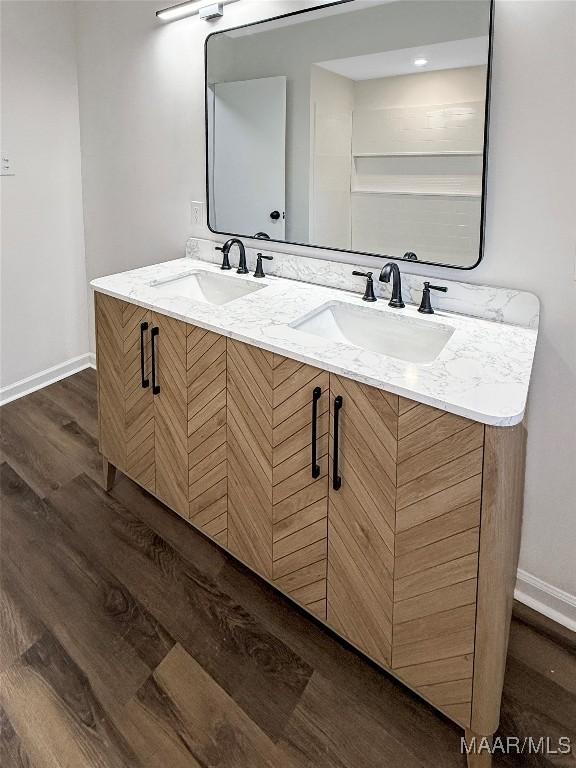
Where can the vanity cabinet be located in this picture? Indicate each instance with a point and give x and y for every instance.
(395, 523)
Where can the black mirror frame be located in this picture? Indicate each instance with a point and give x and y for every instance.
(346, 250)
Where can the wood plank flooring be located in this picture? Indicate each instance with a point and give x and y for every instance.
(129, 639)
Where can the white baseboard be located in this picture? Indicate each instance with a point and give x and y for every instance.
(92, 360)
(558, 605)
(44, 378)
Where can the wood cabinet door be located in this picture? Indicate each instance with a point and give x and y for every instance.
(138, 398)
(361, 515)
(170, 411)
(125, 408)
(207, 463)
(249, 417)
(438, 497)
(277, 506)
(403, 536)
(300, 482)
(110, 375)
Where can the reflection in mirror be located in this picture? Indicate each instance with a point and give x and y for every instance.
(358, 127)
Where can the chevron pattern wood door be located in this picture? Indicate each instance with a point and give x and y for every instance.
(300, 501)
(362, 518)
(439, 482)
(249, 413)
(138, 400)
(207, 461)
(110, 368)
(276, 509)
(171, 413)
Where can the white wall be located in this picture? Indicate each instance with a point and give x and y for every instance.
(143, 139)
(142, 129)
(44, 310)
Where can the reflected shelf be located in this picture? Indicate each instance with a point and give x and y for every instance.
(414, 193)
(417, 154)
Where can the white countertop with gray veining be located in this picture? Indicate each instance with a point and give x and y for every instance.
(482, 373)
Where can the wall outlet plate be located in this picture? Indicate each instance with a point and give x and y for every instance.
(6, 166)
(198, 217)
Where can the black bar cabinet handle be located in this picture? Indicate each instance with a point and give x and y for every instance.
(336, 479)
(145, 382)
(155, 387)
(316, 394)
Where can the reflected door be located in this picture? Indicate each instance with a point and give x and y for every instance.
(249, 157)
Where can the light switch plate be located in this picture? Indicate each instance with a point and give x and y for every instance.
(6, 167)
(198, 217)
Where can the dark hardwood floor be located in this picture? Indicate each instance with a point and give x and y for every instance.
(128, 639)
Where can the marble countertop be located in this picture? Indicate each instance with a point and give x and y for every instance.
(483, 372)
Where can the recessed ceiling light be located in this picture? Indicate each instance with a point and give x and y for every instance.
(420, 62)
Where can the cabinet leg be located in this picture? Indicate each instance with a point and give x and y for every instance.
(479, 750)
(109, 474)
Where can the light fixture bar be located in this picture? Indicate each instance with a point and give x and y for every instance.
(189, 8)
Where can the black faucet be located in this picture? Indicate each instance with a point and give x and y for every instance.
(242, 268)
(391, 270)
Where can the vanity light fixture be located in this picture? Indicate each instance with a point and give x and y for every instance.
(420, 62)
(206, 10)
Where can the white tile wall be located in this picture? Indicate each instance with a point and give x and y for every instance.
(419, 129)
(437, 228)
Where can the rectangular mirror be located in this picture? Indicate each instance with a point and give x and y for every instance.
(357, 126)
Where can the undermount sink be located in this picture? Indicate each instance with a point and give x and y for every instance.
(204, 286)
(395, 335)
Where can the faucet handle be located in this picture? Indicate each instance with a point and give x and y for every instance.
(225, 260)
(259, 270)
(369, 292)
(426, 305)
